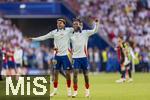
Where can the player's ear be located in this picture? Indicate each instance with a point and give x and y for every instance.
(81, 26)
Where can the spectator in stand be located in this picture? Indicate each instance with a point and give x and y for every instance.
(104, 59)
(18, 56)
(10, 60)
(39, 58)
(97, 60)
(91, 59)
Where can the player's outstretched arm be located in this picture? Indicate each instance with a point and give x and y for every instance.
(95, 29)
(44, 37)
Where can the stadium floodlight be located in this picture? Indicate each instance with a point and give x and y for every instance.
(22, 6)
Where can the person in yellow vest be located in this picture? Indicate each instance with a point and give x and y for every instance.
(136, 61)
(104, 59)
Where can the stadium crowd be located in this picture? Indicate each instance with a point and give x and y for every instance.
(129, 18)
(11, 38)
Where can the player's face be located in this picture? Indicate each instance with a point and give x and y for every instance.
(76, 25)
(60, 25)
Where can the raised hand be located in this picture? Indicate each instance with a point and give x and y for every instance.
(96, 20)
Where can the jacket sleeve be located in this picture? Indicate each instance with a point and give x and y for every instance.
(94, 30)
(44, 37)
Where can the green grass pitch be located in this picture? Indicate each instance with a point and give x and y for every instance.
(103, 87)
(3, 95)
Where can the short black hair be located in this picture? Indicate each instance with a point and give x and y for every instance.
(62, 19)
(77, 19)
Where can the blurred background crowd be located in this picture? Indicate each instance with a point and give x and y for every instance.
(34, 57)
(128, 18)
